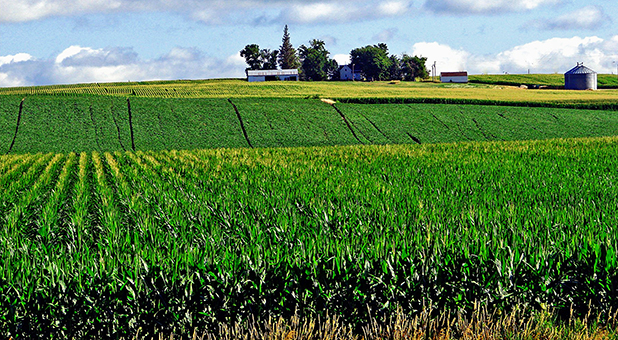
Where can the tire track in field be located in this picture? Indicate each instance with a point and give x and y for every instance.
(347, 123)
(375, 127)
(486, 134)
(131, 124)
(94, 126)
(530, 125)
(461, 131)
(117, 128)
(242, 125)
(21, 108)
(415, 139)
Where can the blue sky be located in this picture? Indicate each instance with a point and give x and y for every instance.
(71, 41)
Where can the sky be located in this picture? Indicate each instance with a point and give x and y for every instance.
(45, 42)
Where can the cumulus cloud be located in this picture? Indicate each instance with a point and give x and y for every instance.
(338, 11)
(556, 55)
(77, 64)
(213, 11)
(342, 59)
(589, 17)
(485, 6)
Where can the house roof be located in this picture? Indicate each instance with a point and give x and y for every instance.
(262, 73)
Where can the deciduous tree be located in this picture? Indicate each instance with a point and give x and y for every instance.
(373, 60)
(315, 62)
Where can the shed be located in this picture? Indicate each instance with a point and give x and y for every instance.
(580, 78)
(454, 77)
(272, 75)
(349, 72)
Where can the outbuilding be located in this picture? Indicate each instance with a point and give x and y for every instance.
(454, 77)
(580, 78)
(272, 75)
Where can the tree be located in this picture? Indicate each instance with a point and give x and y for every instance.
(259, 59)
(373, 61)
(315, 62)
(413, 67)
(253, 57)
(395, 72)
(287, 54)
(269, 59)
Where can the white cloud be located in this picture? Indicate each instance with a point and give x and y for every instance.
(342, 59)
(446, 58)
(213, 11)
(589, 17)
(555, 55)
(15, 58)
(485, 6)
(78, 64)
(341, 11)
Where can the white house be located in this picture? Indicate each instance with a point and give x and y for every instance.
(346, 71)
(271, 75)
(454, 77)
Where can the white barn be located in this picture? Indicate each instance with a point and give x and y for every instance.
(454, 77)
(272, 75)
(348, 72)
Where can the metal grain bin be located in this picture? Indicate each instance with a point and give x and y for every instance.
(580, 78)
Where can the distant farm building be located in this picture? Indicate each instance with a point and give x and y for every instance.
(580, 78)
(349, 72)
(454, 77)
(272, 75)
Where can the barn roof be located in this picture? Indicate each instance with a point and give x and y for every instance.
(289, 72)
(453, 74)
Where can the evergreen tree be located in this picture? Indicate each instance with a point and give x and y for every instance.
(287, 54)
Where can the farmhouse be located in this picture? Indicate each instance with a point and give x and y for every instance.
(349, 72)
(272, 75)
(580, 78)
(454, 77)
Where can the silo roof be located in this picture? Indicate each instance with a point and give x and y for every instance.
(580, 69)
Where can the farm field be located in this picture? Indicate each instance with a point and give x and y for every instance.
(88, 123)
(101, 244)
(168, 207)
(237, 88)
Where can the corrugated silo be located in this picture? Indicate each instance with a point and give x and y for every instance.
(580, 78)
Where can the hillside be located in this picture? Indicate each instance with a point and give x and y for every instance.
(107, 123)
(605, 81)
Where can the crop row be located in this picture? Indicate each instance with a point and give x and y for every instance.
(103, 244)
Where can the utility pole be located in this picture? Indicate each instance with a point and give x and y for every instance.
(433, 72)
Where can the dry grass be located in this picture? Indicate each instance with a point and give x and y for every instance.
(481, 326)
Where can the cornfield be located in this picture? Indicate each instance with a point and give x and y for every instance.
(109, 244)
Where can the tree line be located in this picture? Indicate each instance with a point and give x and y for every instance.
(314, 63)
